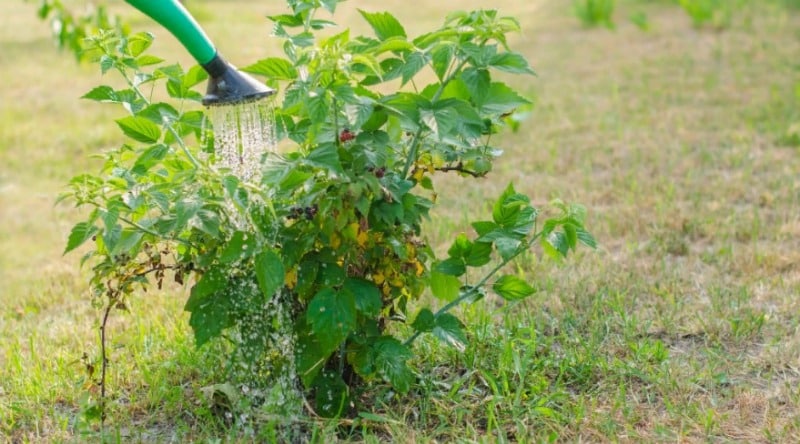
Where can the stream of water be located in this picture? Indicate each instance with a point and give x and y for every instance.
(243, 134)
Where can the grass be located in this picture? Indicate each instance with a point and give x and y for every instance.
(682, 327)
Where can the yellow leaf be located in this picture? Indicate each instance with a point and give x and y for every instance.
(419, 173)
(419, 267)
(362, 237)
(378, 278)
(336, 241)
(351, 231)
(290, 279)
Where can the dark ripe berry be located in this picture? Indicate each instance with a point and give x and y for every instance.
(346, 136)
(380, 172)
(311, 211)
(295, 213)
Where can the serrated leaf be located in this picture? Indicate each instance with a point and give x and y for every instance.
(477, 81)
(101, 94)
(325, 156)
(478, 254)
(79, 234)
(206, 221)
(384, 25)
(586, 238)
(332, 317)
(413, 64)
(444, 286)
(425, 321)
(394, 44)
(558, 240)
(194, 76)
(512, 62)
(140, 129)
(512, 288)
(138, 43)
(367, 296)
(451, 266)
(440, 121)
(287, 20)
(185, 209)
(450, 330)
(147, 60)
(241, 246)
(441, 59)
(270, 272)
(210, 282)
(273, 68)
(331, 394)
(210, 318)
(390, 358)
(501, 99)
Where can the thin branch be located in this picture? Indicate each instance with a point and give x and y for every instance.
(460, 168)
(473, 290)
(104, 362)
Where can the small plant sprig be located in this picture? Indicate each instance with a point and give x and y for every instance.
(335, 226)
(71, 29)
(594, 13)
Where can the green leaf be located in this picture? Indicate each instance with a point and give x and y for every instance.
(150, 157)
(367, 296)
(424, 321)
(512, 288)
(444, 286)
(211, 317)
(147, 60)
(450, 330)
(80, 233)
(414, 63)
(501, 99)
(140, 129)
(384, 24)
(478, 254)
(451, 266)
(317, 107)
(512, 62)
(210, 282)
(586, 238)
(241, 246)
(274, 68)
(207, 222)
(441, 59)
(185, 209)
(101, 94)
(390, 358)
(478, 82)
(558, 240)
(332, 317)
(288, 20)
(440, 121)
(270, 272)
(194, 76)
(331, 394)
(138, 43)
(325, 156)
(394, 44)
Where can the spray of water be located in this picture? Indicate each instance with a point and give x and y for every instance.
(243, 134)
(263, 363)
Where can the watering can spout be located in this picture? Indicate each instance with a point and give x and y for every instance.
(226, 85)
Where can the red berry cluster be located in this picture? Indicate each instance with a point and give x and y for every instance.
(346, 136)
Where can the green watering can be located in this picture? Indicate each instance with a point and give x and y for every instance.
(227, 85)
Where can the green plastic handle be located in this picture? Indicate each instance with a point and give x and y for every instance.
(176, 19)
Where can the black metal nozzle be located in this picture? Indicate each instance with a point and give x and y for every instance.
(228, 86)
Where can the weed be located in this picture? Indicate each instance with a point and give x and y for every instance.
(595, 12)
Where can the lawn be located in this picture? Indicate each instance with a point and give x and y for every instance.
(683, 326)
